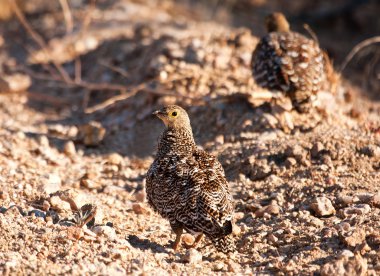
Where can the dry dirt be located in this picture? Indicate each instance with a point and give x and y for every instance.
(306, 186)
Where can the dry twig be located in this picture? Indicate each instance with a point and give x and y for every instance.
(372, 80)
(311, 32)
(144, 87)
(78, 82)
(46, 66)
(37, 38)
(88, 17)
(116, 69)
(47, 98)
(357, 48)
(83, 84)
(78, 70)
(115, 99)
(67, 15)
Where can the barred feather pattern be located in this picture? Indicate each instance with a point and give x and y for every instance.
(225, 244)
(289, 62)
(187, 186)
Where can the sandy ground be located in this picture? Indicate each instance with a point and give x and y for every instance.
(72, 200)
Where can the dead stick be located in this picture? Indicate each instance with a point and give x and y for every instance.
(83, 84)
(311, 32)
(116, 69)
(67, 15)
(132, 92)
(87, 18)
(44, 97)
(357, 48)
(78, 70)
(46, 66)
(37, 38)
(113, 100)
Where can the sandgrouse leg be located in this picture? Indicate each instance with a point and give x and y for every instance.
(178, 230)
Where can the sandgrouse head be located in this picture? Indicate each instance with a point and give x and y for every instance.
(276, 22)
(173, 116)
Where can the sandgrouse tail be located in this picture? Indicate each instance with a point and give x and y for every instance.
(288, 61)
(187, 185)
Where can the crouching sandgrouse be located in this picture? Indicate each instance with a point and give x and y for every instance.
(187, 185)
(288, 61)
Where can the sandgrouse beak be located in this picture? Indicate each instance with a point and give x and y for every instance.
(158, 113)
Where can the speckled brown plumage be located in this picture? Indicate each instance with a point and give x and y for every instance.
(288, 61)
(187, 185)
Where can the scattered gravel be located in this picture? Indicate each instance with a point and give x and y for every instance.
(72, 188)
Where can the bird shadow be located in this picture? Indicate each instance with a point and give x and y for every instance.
(144, 244)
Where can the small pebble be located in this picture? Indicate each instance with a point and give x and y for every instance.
(232, 266)
(50, 183)
(365, 197)
(272, 238)
(272, 209)
(139, 209)
(219, 139)
(92, 134)
(45, 205)
(316, 149)
(4, 195)
(295, 151)
(192, 256)
(354, 238)
(90, 184)
(236, 230)
(218, 266)
(239, 215)
(69, 149)
(188, 239)
(290, 162)
(58, 204)
(375, 200)
(346, 253)
(103, 230)
(115, 159)
(371, 151)
(345, 200)
(44, 141)
(357, 209)
(322, 206)
(141, 196)
(37, 213)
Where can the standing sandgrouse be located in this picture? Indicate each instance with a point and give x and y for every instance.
(288, 61)
(187, 185)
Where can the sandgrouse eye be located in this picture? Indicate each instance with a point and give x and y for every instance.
(187, 186)
(289, 62)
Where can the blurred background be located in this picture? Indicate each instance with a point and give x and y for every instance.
(79, 80)
(113, 61)
(339, 26)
